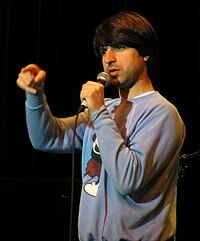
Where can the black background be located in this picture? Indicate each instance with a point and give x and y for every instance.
(35, 187)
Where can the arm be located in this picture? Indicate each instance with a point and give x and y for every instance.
(154, 141)
(50, 133)
(46, 132)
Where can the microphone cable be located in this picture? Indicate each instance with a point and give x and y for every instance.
(72, 180)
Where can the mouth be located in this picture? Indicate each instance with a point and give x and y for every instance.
(114, 72)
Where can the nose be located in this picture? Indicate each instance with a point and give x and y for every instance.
(109, 56)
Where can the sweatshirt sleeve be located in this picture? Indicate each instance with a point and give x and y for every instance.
(154, 140)
(49, 133)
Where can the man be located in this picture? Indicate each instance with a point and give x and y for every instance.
(130, 145)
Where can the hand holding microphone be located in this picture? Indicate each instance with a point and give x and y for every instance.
(94, 93)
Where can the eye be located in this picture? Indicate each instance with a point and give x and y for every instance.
(120, 47)
(103, 50)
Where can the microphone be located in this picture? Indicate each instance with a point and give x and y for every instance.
(102, 78)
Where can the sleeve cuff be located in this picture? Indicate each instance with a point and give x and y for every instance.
(35, 100)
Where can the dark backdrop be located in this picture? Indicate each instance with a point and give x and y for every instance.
(35, 187)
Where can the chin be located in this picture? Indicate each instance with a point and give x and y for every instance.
(115, 81)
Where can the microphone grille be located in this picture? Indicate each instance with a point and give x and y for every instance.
(103, 78)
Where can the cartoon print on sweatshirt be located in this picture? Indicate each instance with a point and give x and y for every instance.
(93, 169)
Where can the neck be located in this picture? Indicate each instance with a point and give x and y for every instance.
(142, 86)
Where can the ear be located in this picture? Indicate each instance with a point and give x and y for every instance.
(146, 58)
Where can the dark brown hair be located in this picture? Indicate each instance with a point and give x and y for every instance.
(130, 29)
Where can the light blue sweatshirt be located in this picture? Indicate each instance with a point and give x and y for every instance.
(130, 163)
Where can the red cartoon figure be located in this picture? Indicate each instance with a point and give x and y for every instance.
(93, 169)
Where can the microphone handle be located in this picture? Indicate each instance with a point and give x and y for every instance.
(82, 106)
